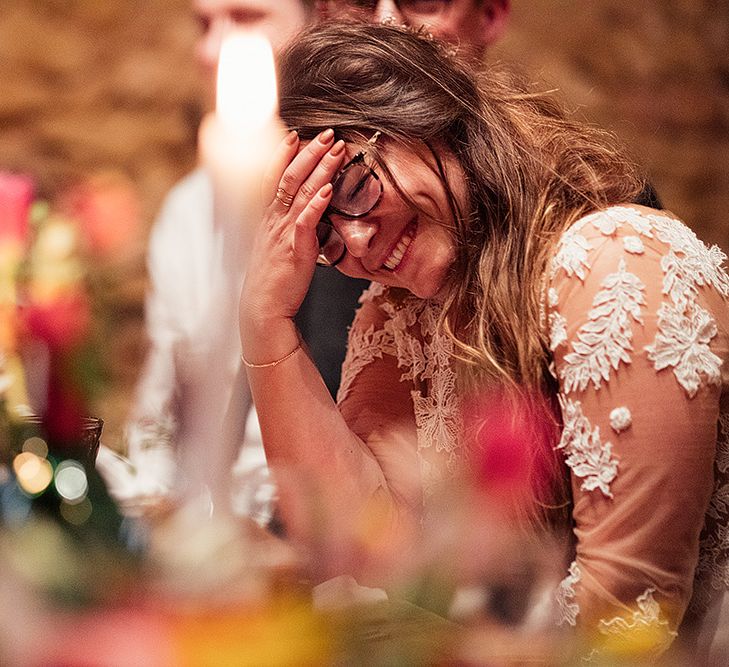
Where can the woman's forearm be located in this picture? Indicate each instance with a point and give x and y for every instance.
(320, 464)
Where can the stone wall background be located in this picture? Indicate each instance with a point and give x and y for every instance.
(94, 85)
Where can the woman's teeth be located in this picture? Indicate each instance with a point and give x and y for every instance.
(393, 261)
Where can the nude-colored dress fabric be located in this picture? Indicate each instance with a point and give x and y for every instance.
(637, 316)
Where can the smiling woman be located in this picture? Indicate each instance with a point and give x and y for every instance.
(403, 235)
(512, 267)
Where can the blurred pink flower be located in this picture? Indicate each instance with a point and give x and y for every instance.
(65, 407)
(16, 197)
(513, 440)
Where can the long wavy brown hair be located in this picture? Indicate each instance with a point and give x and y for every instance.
(530, 172)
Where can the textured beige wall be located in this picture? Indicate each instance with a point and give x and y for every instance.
(657, 73)
(93, 84)
(88, 85)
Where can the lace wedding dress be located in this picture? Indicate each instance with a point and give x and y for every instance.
(636, 312)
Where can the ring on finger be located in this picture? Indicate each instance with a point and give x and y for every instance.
(284, 197)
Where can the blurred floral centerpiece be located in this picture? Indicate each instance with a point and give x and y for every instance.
(55, 514)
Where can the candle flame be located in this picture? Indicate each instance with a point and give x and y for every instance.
(246, 90)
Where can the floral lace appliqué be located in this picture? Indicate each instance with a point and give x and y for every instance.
(712, 571)
(633, 245)
(606, 339)
(682, 342)
(437, 415)
(411, 334)
(694, 261)
(587, 456)
(646, 618)
(572, 255)
(363, 348)
(567, 607)
(557, 330)
(684, 328)
(609, 220)
(620, 419)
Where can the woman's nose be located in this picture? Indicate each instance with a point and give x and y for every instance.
(357, 234)
(386, 9)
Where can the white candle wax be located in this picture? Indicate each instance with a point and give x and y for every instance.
(237, 140)
(236, 144)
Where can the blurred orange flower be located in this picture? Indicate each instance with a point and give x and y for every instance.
(107, 207)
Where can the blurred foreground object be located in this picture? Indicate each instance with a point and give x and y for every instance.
(62, 539)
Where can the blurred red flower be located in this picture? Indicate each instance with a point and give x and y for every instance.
(62, 322)
(513, 440)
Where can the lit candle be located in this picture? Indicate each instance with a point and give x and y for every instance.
(237, 141)
(236, 144)
(246, 92)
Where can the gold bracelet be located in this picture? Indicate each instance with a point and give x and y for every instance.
(248, 364)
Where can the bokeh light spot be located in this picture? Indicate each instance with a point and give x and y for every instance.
(71, 482)
(37, 446)
(76, 513)
(34, 473)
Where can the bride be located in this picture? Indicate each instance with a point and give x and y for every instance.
(506, 256)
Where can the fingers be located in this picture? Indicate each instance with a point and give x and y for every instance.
(314, 166)
(322, 174)
(282, 156)
(303, 164)
(305, 243)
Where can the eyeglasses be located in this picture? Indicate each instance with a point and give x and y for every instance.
(356, 191)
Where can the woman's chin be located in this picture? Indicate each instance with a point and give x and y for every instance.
(428, 288)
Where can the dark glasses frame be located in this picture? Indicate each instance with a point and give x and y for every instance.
(325, 228)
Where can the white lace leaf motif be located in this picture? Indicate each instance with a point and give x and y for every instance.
(682, 341)
(606, 339)
(609, 220)
(587, 456)
(410, 333)
(644, 628)
(689, 261)
(437, 415)
(557, 323)
(363, 348)
(572, 254)
(557, 330)
(567, 607)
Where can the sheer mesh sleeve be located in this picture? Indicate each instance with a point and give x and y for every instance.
(638, 327)
(375, 399)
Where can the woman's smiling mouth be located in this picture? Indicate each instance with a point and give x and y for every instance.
(397, 254)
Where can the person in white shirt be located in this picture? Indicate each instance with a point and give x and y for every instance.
(184, 261)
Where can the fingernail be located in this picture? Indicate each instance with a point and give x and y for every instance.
(337, 148)
(326, 136)
(325, 191)
(291, 137)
